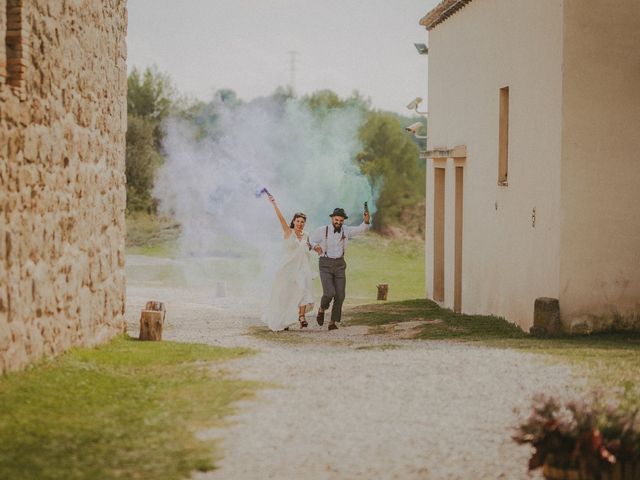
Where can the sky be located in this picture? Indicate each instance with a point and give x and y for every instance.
(244, 45)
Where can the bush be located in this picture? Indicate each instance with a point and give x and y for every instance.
(587, 436)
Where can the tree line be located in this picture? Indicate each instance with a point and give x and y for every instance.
(389, 156)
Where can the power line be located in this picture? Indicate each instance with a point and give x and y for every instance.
(292, 70)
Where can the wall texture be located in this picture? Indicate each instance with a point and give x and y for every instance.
(62, 185)
(507, 262)
(573, 71)
(600, 249)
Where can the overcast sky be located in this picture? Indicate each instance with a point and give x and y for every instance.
(342, 45)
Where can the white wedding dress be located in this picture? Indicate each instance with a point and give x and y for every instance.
(291, 286)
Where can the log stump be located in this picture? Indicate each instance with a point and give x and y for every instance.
(383, 289)
(546, 317)
(151, 321)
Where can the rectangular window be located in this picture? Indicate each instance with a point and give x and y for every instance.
(503, 138)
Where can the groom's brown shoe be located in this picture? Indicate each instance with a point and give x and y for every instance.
(320, 318)
(333, 326)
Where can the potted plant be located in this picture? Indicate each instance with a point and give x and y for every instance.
(582, 440)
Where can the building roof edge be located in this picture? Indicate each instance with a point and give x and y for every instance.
(441, 12)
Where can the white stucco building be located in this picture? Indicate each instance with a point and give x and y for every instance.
(533, 176)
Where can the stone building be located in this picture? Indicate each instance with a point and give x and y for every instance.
(63, 84)
(534, 171)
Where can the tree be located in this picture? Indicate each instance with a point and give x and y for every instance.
(142, 161)
(321, 101)
(203, 116)
(390, 159)
(151, 97)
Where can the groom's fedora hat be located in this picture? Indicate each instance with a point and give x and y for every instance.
(339, 212)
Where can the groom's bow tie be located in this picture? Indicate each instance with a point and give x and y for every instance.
(337, 230)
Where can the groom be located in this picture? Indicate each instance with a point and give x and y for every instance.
(330, 241)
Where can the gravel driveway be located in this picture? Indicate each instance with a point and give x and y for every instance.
(347, 405)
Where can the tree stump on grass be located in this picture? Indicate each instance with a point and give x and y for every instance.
(383, 289)
(151, 321)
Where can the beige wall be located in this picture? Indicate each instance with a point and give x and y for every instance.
(62, 195)
(600, 239)
(487, 45)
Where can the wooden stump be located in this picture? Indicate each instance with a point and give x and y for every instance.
(155, 305)
(383, 289)
(151, 321)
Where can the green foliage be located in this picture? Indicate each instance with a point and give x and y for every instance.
(390, 159)
(203, 116)
(228, 97)
(150, 95)
(322, 101)
(125, 410)
(142, 161)
(148, 233)
(150, 99)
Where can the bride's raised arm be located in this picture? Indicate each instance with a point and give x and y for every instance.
(283, 222)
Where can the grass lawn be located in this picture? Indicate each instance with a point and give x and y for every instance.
(608, 360)
(373, 259)
(151, 235)
(127, 409)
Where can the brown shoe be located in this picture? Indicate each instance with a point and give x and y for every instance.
(333, 326)
(320, 318)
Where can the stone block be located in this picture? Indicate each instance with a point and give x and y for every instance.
(546, 317)
(580, 327)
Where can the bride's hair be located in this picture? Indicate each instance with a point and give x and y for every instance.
(296, 215)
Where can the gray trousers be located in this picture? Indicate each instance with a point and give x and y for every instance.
(334, 280)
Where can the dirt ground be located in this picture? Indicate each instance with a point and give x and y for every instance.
(349, 405)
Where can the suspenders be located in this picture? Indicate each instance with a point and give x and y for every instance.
(326, 239)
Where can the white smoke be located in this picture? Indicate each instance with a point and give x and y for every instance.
(305, 160)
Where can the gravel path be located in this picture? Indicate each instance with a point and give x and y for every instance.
(346, 405)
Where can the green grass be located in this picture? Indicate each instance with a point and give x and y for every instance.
(290, 337)
(373, 259)
(609, 360)
(128, 409)
(151, 235)
(446, 325)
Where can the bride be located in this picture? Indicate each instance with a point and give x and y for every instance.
(291, 289)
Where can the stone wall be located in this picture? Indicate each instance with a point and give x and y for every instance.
(62, 185)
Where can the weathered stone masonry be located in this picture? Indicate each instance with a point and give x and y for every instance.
(62, 186)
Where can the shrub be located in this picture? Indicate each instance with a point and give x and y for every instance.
(587, 436)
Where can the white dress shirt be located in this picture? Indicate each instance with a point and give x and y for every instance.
(335, 244)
